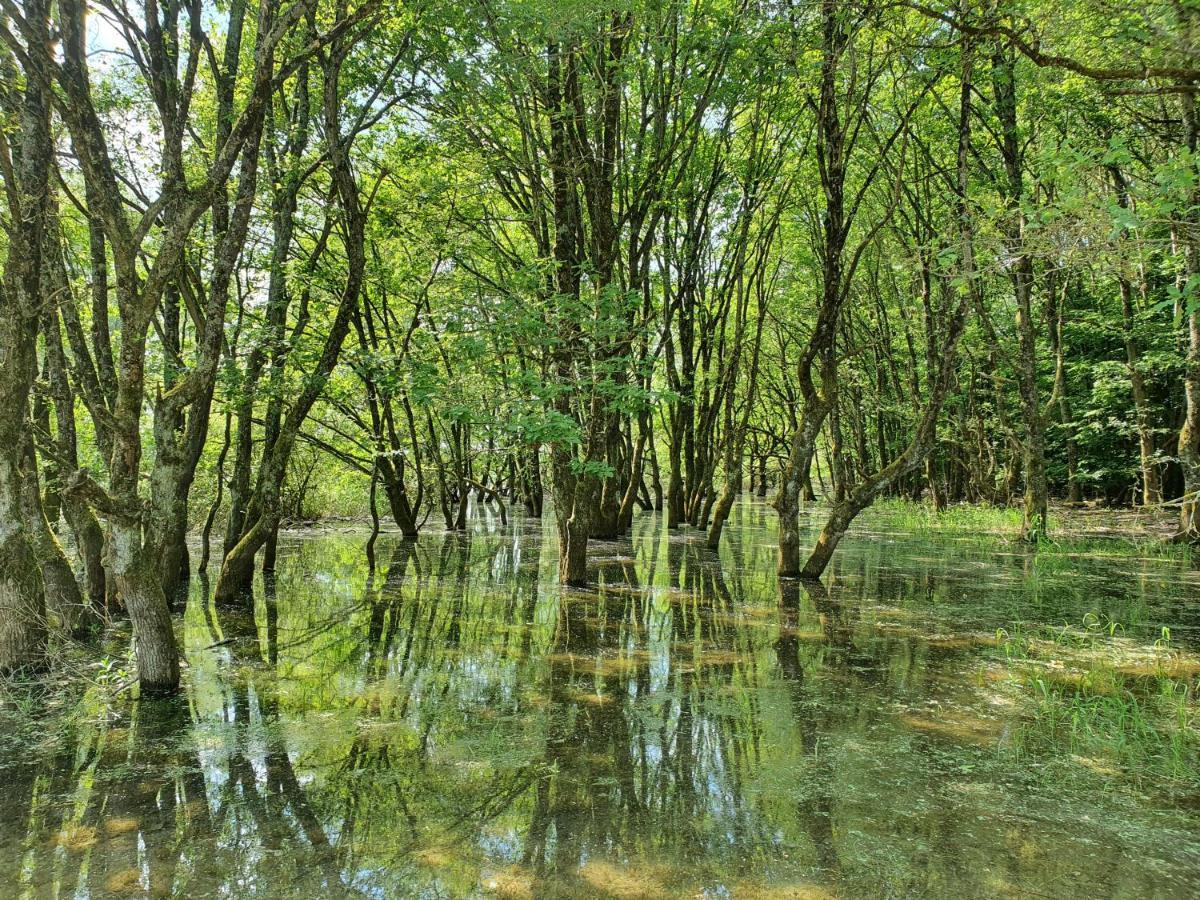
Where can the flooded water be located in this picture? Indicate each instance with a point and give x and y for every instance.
(458, 726)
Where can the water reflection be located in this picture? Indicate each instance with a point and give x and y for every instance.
(454, 724)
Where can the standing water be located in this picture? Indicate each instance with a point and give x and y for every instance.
(944, 716)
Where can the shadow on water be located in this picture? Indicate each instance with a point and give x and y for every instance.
(453, 724)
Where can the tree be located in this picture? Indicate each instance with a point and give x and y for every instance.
(26, 172)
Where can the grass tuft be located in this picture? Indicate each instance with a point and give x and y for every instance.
(1115, 704)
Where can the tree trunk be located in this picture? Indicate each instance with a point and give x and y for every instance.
(27, 186)
(837, 459)
(22, 600)
(89, 538)
(1151, 476)
(674, 498)
(655, 476)
(572, 556)
(270, 551)
(170, 482)
(822, 343)
(235, 583)
(138, 582)
(1035, 518)
(1057, 314)
(733, 486)
(402, 512)
(64, 602)
(1151, 479)
(1189, 433)
(867, 490)
(936, 494)
(787, 503)
(573, 501)
(89, 542)
(625, 518)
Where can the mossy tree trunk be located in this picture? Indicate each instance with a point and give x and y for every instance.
(23, 631)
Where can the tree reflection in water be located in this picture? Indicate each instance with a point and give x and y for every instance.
(454, 724)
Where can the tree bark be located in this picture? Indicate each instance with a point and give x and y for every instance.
(64, 601)
(1189, 433)
(140, 586)
(89, 538)
(23, 632)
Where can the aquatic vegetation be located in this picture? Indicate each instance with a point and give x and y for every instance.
(77, 838)
(513, 883)
(1071, 533)
(124, 882)
(121, 825)
(914, 516)
(114, 671)
(958, 726)
(1109, 697)
(604, 879)
(799, 891)
(1117, 546)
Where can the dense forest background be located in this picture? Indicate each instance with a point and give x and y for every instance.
(265, 261)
